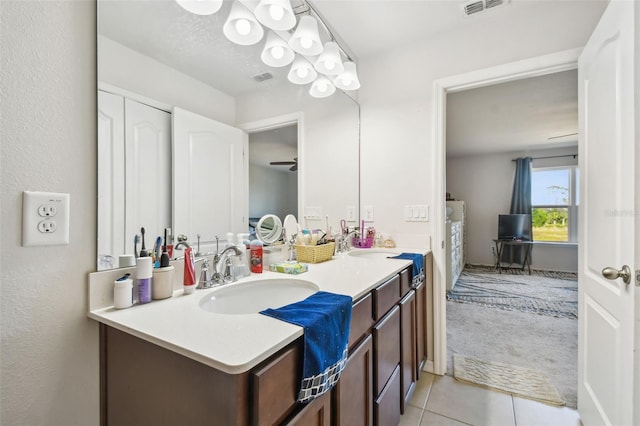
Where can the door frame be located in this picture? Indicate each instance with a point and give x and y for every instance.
(532, 67)
(270, 124)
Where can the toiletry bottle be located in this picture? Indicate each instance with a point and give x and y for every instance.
(123, 292)
(189, 277)
(256, 256)
(144, 272)
(240, 263)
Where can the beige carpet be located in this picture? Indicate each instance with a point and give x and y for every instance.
(518, 381)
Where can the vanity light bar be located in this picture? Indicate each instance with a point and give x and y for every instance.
(244, 27)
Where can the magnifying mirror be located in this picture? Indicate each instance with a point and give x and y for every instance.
(269, 229)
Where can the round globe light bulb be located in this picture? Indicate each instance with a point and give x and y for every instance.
(277, 52)
(346, 81)
(306, 42)
(243, 26)
(329, 65)
(276, 12)
(322, 86)
(302, 72)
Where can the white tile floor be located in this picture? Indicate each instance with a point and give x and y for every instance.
(442, 400)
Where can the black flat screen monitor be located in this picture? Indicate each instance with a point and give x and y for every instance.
(514, 227)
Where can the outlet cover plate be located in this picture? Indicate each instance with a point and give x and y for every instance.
(45, 218)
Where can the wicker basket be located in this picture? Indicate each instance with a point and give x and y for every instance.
(315, 254)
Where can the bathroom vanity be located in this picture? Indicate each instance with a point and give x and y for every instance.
(171, 362)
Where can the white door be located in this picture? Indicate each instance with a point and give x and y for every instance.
(148, 183)
(607, 225)
(111, 239)
(209, 178)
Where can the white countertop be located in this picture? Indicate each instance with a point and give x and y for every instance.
(236, 343)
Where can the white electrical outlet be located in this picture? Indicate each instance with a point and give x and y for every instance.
(351, 214)
(368, 213)
(45, 218)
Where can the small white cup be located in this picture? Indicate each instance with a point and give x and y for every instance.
(162, 285)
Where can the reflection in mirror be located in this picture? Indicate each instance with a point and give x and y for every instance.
(269, 229)
(157, 56)
(273, 172)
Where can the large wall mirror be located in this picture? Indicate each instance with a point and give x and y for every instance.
(182, 115)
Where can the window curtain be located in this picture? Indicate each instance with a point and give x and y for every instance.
(520, 204)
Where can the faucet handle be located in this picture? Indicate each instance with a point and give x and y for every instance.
(217, 244)
(198, 254)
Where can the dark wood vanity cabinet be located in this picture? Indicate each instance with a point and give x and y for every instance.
(408, 345)
(389, 341)
(274, 387)
(353, 395)
(316, 412)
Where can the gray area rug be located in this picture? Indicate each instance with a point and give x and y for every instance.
(545, 293)
(519, 337)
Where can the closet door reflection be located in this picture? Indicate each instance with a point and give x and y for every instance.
(134, 190)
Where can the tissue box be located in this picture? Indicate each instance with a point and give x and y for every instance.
(294, 268)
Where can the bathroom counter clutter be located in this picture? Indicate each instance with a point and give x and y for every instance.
(235, 343)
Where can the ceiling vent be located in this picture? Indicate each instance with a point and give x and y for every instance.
(475, 7)
(262, 77)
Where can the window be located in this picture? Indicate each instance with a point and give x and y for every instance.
(554, 197)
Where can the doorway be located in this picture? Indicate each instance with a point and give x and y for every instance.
(548, 64)
(274, 157)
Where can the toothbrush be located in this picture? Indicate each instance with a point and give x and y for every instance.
(157, 249)
(136, 239)
(143, 250)
(164, 259)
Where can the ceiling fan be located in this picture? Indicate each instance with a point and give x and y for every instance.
(293, 164)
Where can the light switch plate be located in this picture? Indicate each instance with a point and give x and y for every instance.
(45, 218)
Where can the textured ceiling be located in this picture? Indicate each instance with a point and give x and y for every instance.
(526, 114)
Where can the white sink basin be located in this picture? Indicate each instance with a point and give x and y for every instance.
(255, 296)
(373, 254)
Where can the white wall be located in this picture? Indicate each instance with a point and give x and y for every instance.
(396, 98)
(272, 192)
(49, 348)
(127, 69)
(328, 157)
(485, 183)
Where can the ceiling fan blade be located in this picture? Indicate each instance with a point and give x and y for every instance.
(282, 163)
(294, 168)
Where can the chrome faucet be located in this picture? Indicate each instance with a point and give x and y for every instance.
(343, 243)
(222, 264)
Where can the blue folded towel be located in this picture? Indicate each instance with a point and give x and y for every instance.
(418, 268)
(326, 318)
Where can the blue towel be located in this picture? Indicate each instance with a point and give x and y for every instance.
(326, 318)
(418, 268)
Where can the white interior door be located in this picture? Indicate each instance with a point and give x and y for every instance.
(209, 178)
(148, 183)
(111, 239)
(607, 230)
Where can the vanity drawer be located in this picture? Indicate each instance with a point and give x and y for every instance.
(405, 281)
(386, 406)
(361, 319)
(274, 386)
(386, 349)
(385, 296)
